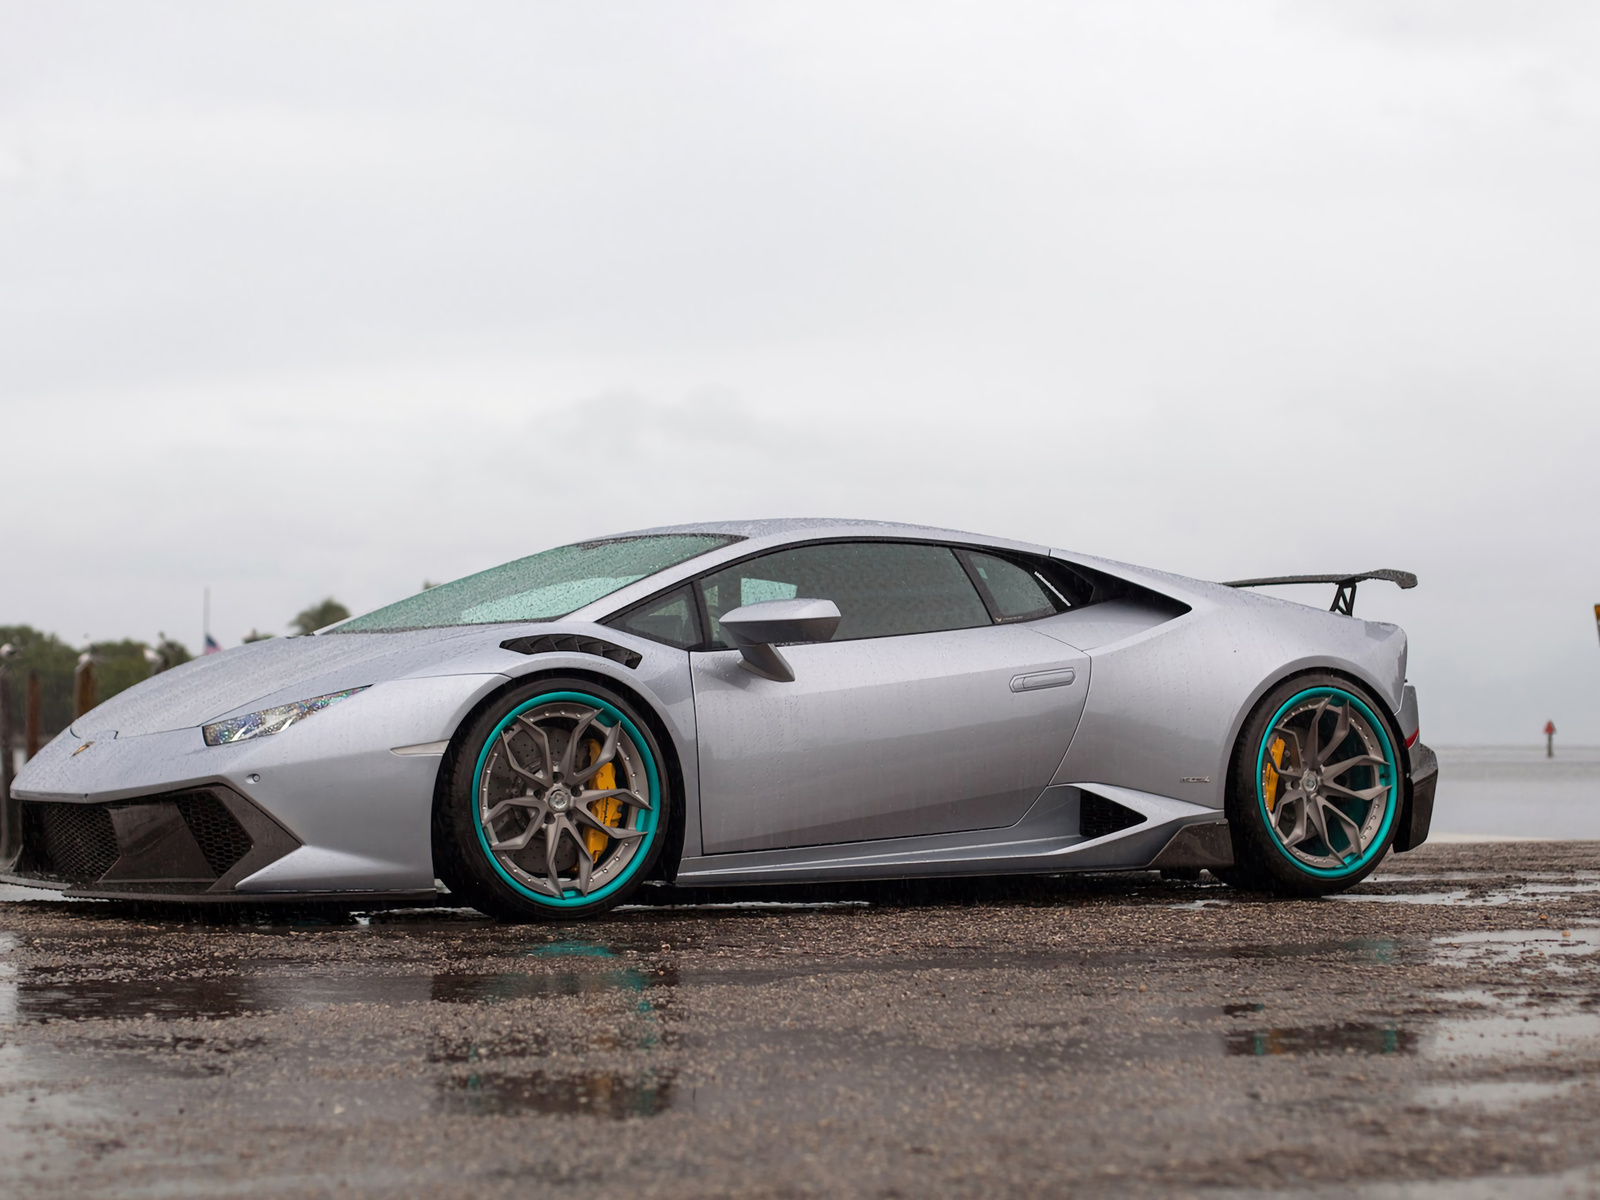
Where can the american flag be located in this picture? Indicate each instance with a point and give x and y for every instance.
(211, 646)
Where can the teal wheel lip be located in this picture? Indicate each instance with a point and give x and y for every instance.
(1392, 807)
(572, 899)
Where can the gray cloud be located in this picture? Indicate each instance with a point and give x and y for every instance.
(334, 298)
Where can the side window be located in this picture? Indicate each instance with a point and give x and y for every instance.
(671, 619)
(882, 588)
(1014, 593)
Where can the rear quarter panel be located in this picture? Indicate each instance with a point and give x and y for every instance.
(1166, 704)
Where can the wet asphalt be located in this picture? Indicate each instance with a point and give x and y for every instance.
(1437, 1034)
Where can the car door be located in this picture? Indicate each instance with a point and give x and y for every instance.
(928, 712)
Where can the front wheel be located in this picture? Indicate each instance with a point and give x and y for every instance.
(551, 803)
(1315, 789)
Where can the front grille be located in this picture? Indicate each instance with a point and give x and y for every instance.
(73, 842)
(1098, 816)
(222, 839)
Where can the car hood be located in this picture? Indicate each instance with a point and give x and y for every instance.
(218, 684)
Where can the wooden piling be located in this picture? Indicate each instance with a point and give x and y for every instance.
(83, 686)
(33, 715)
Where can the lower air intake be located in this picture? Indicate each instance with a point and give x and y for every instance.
(222, 840)
(1099, 817)
(74, 843)
(184, 841)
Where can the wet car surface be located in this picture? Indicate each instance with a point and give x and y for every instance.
(1102, 1035)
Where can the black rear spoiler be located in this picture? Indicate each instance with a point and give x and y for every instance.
(1344, 600)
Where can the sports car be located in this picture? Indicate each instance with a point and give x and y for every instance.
(749, 703)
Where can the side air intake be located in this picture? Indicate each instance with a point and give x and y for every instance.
(1099, 817)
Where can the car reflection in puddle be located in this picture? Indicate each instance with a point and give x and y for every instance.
(1323, 1039)
(610, 1095)
(278, 988)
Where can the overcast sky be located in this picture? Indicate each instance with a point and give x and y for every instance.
(323, 298)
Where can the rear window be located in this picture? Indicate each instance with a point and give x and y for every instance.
(540, 587)
(1014, 593)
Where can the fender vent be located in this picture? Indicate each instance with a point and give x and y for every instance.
(571, 643)
(1098, 817)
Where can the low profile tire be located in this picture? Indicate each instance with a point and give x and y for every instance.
(551, 803)
(1315, 789)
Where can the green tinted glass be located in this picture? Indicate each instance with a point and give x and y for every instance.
(541, 586)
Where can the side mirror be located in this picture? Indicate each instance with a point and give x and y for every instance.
(755, 627)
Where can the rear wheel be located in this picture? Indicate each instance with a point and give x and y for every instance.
(1315, 789)
(552, 804)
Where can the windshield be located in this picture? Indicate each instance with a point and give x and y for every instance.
(541, 586)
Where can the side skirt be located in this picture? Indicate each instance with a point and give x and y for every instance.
(1050, 838)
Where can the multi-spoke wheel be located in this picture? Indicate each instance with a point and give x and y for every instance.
(551, 804)
(1315, 789)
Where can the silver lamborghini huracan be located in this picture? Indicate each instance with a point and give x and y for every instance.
(748, 702)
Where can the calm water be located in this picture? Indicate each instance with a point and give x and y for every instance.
(1517, 791)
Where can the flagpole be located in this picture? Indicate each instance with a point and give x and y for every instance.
(205, 618)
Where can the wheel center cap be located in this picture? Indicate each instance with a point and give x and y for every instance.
(559, 799)
(1310, 782)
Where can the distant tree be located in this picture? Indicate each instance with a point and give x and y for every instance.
(117, 667)
(256, 635)
(319, 615)
(54, 660)
(173, 654)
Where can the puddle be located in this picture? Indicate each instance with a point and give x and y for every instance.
(10, 893)
(1539, 949)
(1323, 1039)
(1540, 1035)
(1496, 1096)
(1457, 897)
(1374, 950)
(745, 905)
(1197, 905)
(598, 1095)
(1543, 892)
(41, 1001)
(489, 989)
(572, 949)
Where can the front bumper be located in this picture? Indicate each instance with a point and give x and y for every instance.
(327, 807)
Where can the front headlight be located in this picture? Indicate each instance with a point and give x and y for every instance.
(270, 720)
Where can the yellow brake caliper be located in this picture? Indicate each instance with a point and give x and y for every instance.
(1269, 776)
(607, 811)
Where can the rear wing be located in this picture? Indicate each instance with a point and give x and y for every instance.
(1344, 599)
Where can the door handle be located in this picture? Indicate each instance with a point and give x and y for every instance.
(1043, 679)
